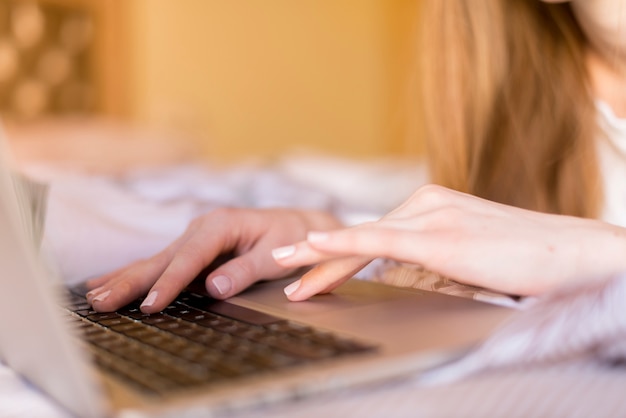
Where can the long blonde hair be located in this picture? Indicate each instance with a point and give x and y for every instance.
(506, 105)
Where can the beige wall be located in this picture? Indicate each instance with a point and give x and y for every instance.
(261, 77)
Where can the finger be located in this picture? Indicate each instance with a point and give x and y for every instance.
(376, 241)
(240, 272)
(299, 254)
(205, 239)
(185, 266)
(101, 280)
(129, 284)
(118, 288)
(371, 240)
(325, 277)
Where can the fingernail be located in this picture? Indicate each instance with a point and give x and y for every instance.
(222, 284)
(93, 293)
(292, 287)
(315, 236)
(150, 299)
(101, 297)
(283, 252)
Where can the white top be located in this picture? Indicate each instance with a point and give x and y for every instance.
(612, 160)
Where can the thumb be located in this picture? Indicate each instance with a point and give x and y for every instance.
(242, 271)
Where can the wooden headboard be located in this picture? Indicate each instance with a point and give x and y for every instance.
(61, 57)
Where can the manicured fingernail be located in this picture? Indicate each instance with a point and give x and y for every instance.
(315, 236)
(93, 293)
(150, 299)
(292, 287)
(222, 284)
(283, 252)
(101, 297)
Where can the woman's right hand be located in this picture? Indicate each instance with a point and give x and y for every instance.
(466, 238)
(248, 234)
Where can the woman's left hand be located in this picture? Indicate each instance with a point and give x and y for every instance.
(471, 240)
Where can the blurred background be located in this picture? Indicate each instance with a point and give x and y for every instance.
(225, 80)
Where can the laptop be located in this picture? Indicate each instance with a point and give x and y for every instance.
(254, 350)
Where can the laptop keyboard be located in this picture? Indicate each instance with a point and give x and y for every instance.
(188, 344)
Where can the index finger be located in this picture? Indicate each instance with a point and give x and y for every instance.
(203, 246)
(122, 286)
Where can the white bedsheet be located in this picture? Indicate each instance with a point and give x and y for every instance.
(97, 223)
(558, 357)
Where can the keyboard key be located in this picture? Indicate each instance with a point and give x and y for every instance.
(187, 345)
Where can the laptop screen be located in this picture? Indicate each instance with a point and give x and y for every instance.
(33, 339)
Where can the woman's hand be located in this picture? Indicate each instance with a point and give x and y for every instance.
(472, 240)
(248, 234)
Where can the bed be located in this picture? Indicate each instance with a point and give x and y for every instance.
(111, 202)
(118, 192)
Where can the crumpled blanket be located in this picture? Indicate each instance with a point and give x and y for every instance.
(585, 321)
(95, 224)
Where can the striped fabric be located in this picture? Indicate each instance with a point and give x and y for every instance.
(563, 356)
(581, 389)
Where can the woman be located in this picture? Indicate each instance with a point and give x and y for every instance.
(511, 94)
